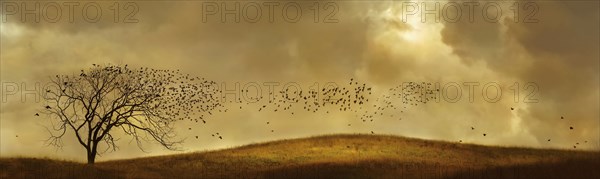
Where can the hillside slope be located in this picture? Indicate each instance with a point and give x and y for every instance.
(337, 156)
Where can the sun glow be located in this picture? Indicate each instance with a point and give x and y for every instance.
(415, 32)
(410, 35)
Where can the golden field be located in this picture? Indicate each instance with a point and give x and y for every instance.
(331, 156)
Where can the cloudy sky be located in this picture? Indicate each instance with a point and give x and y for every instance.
(550, 50)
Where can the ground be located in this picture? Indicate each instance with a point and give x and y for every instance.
(331, 156)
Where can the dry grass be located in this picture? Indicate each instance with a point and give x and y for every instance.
(47, 168)
(336, 156)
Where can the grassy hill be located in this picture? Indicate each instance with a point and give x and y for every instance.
(334, 156)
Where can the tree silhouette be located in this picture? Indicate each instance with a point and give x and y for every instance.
(144, 103)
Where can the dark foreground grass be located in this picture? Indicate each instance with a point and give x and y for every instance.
(336, 156)
(47, 168)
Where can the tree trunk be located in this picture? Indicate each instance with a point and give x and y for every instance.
(91, 159)
(91, 156)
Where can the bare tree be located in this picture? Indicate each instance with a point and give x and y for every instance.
(144, 103)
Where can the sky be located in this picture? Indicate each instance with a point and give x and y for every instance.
(543, 61)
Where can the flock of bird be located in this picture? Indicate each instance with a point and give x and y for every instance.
(354, 97)
(180, 96)
(351, 96)
(343, 98)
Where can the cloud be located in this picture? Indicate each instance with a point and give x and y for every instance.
(559, 54)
